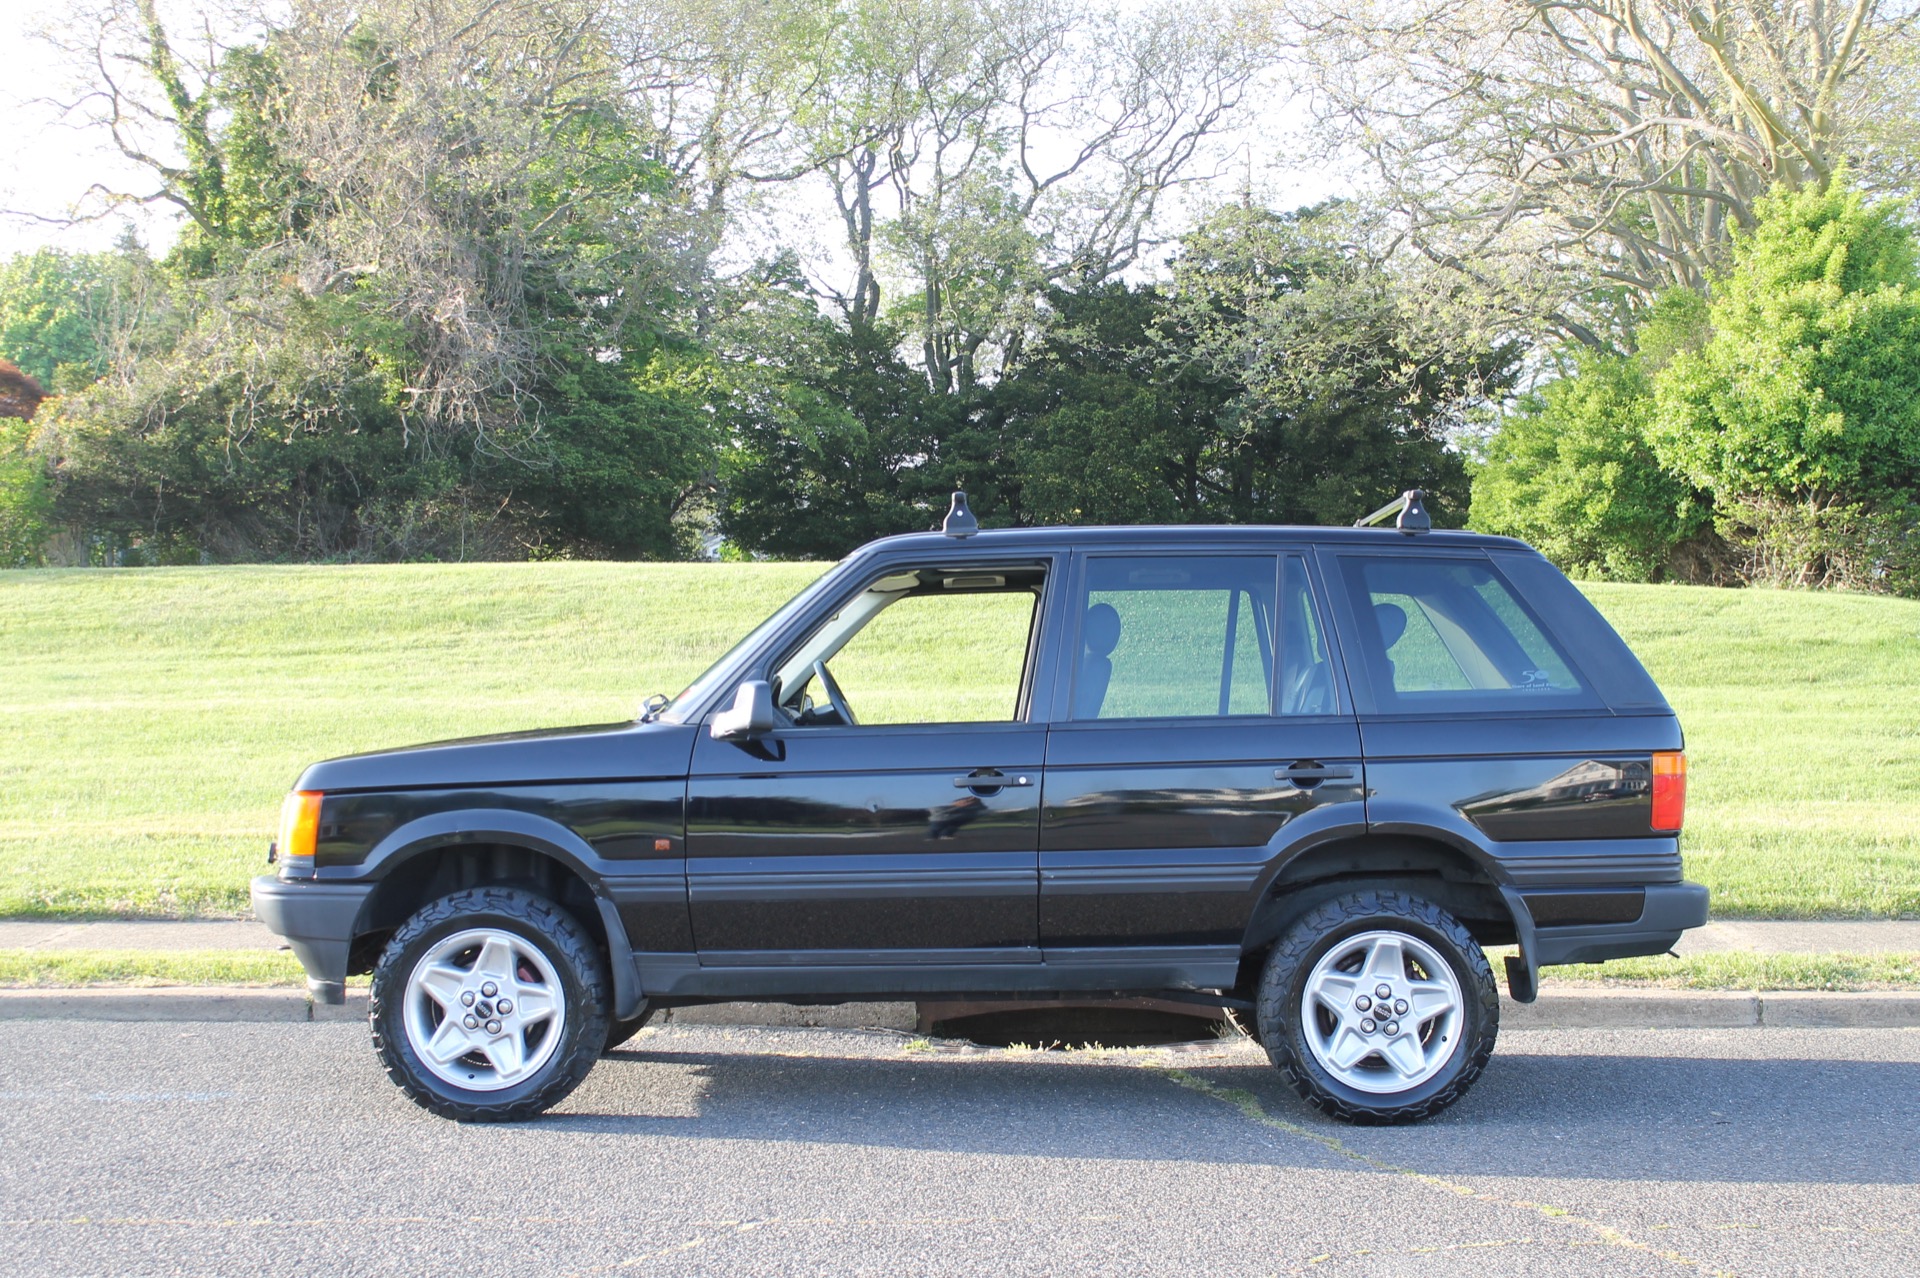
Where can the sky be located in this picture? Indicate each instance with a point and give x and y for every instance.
(47, 164)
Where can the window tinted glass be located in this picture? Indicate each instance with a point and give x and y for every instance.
(953, 658)
(1166, 636)
(1306, 676)
(1448, 633)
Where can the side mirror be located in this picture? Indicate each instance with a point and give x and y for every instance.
(751, 715)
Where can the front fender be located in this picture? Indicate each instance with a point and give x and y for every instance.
(440, 830)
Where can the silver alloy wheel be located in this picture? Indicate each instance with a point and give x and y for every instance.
(484, 1009)
(1381, 1011)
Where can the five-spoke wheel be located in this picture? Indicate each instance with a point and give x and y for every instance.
(484, 1009)
(1378, 1006)
(1381, 1011)
(490, 1004)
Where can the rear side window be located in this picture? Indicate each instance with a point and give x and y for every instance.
(1449, 634)
(1176, 637)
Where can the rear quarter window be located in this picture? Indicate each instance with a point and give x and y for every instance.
(1449, 635)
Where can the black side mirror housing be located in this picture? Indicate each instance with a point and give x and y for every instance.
(751, 715)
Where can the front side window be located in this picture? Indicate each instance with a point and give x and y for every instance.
(918, 645)
(1447, 634)
(1176, 636)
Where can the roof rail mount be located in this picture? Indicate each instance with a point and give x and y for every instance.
(1412, 515)
(959, 521)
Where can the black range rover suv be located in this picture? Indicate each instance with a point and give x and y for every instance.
(1301, 773)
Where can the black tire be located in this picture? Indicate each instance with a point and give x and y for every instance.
(619, 1032)
(584, 995)
(1311, 937)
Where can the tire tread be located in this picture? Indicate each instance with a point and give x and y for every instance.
(1289, 955)
(570, 944)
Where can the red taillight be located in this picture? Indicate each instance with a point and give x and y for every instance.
(1669, 791)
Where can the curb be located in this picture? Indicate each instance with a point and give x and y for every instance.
(1557, 1009)
(1713, 1009)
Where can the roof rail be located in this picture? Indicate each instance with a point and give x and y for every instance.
(1412, 515)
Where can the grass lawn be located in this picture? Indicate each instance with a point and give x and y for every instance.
(1737, 971)
(151, 719)
(1802, 714)
(67, 969)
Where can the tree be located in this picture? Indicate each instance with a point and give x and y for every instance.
(51, 314)
(24, 504)
(414, 308)
(1278, 379)
(976, 151)
(1574, 159)
(1570, 470)
(1354, 387)
(833, 438)
(1104, 421)
(1801, 413)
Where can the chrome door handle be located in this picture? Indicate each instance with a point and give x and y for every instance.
(990, 780)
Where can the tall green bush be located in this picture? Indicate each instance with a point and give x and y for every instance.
(1801, 413)
(1570, 470)
(26, 507)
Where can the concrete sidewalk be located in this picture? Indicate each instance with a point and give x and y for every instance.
(1860, 936)
(1559, 1007)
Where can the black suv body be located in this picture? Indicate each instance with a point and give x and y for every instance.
(1255, 766)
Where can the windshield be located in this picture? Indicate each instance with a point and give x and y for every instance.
(696, 692)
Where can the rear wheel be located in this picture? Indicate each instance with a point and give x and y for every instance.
(490, 1005)
(1379, 1007)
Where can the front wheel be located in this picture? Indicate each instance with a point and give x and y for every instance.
(1378, 1007)
(490, 1005)
(618, 1032)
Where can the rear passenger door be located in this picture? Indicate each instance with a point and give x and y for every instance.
(1200, 724)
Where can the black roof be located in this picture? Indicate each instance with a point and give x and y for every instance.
(1054, 536)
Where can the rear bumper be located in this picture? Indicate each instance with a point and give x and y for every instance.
(1671, 908)
(317, 920)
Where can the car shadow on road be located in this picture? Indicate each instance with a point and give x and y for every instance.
(1574, 1116)
(1040, 1106)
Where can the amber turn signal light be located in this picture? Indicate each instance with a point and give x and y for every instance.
(1669, 791)
(299, 827)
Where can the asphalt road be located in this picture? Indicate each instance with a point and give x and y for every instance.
(282, 1149)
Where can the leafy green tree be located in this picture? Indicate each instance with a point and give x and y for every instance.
(25, 507)
(1801, 413)
(1279, 379)
(844, 445)
(1570, 471)
(1103, 422)
(620, 448)
(1353, 385)
(51, 312)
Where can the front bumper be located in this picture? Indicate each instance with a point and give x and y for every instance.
(317, 920)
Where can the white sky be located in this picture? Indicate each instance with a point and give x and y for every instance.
(47, 165)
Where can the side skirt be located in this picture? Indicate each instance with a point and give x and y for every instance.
(1135, 971)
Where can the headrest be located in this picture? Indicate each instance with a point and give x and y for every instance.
(1392, 620)
(1101, 633)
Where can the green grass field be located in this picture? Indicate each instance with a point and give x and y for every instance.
(150, 720)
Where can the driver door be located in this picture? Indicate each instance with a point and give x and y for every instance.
(909, 837)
